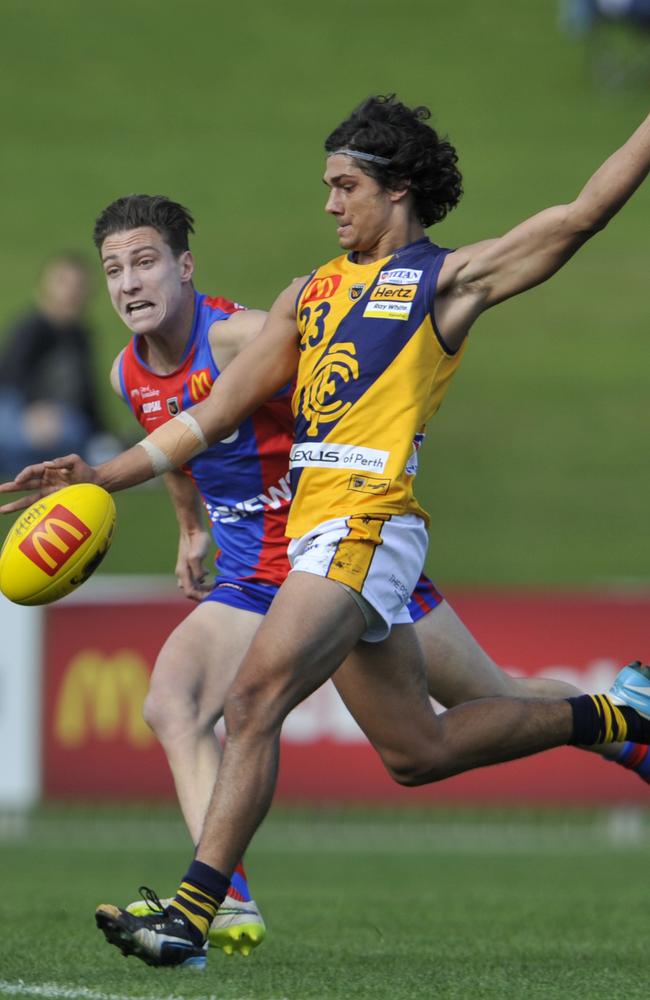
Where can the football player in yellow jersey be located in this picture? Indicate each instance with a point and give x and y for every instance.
(359, 541)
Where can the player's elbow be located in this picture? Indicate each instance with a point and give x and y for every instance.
(586, 218)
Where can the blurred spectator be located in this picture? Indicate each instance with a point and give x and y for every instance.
(578, 16)
(616, 38)
(48, 396)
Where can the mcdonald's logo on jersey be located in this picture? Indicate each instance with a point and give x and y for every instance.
(101, 698)
(54, 539)
(322, 288)
(199, 385)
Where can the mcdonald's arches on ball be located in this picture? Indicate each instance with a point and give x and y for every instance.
(54, 547)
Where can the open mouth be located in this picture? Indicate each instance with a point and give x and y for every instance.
(133, 308)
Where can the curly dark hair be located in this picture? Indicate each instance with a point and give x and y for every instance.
(171, 220)
(419, 157)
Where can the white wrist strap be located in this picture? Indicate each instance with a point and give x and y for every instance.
(189, 421)
(160, 462)
(167, 441)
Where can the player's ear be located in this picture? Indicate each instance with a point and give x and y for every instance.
(186, 261)
(399, 194)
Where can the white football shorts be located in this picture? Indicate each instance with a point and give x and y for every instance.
(378, 558)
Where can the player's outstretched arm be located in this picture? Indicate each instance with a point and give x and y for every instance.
(39, 480)
(256, 374)
(479, 276)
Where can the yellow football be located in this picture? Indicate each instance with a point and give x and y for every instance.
(53, 547)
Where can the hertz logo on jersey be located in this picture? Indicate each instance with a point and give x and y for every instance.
(322, 288)
(199, 385)
(400, 293)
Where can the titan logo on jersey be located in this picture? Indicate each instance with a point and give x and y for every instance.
(322, 288)
(199, 385)
(319, 403)
(366, 484)
(400, 276)
(155, 406)
(402, 293)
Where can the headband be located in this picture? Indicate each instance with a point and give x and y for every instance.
(356, 154)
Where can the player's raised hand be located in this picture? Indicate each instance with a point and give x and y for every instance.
(45, 478)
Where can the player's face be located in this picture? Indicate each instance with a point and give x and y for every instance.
(146, 282)
(363, 210)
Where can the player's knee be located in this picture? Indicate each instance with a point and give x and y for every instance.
(156, 712)
(173, 713)
(411, 771)
(252, 706)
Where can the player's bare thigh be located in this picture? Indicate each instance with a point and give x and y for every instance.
(309, 629)
(459, 670)
(200, 659)
(384, 686)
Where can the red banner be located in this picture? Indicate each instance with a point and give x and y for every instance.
(98, 657)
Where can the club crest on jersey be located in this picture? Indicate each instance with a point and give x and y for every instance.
(199, 385)
(322, 287)
(399, 276)
(319, 404)
(173, 406)
(355, 292)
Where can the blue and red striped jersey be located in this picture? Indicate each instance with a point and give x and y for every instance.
(244, 479)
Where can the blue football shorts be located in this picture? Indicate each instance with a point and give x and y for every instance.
(249, 595)
(254, 596)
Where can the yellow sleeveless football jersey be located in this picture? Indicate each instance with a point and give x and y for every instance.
(372, 371)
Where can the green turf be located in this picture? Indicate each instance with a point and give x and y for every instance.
(536, 469)
(382, 905)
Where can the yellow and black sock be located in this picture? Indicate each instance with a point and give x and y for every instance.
(199, 896)
(596, 719)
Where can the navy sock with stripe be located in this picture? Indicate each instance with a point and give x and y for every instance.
(199, 896)
(596, 719)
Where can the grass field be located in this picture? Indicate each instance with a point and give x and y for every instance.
(381, 905)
